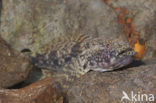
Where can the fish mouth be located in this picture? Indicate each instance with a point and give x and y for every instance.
(119, 63)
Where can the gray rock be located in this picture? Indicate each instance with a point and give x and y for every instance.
(108, 87)
(31, 24)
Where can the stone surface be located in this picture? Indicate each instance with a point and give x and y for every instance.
(14, 67)
(108, 87)
(31, 24)
(39, 92)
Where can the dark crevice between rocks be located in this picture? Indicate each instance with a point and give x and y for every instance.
(135, 63)
(34, 76)
(25, 50)
(18, 86)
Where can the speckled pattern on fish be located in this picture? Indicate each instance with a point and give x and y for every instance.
(73, 56)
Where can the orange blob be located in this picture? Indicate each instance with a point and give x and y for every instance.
(139, 48)
(129, 20)
(126, 12)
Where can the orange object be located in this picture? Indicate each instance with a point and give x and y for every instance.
(139, 48)
(126, 11)
(129, 20)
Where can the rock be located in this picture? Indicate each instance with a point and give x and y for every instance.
(108, 87)
(39, 92)
(14, 67)
(33, 24)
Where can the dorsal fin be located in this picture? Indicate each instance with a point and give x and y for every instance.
(62, 41)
